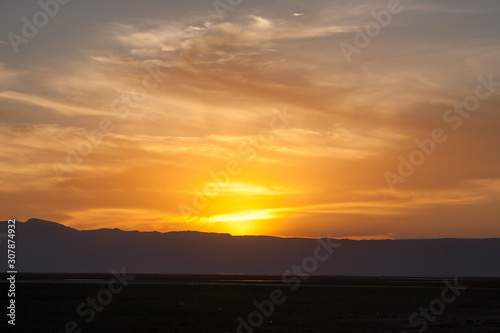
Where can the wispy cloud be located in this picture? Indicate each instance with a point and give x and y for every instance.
(57, 106)
(323, 171)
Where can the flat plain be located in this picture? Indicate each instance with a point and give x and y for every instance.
(157, 303)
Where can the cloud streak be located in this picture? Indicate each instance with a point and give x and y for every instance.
(321, 173)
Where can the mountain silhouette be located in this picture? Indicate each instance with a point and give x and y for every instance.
(49, 247)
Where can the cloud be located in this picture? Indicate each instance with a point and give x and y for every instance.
(8, 76)
(61, 107)
(224, 79)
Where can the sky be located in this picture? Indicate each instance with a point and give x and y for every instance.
(357, 119)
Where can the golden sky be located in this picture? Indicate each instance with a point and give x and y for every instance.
(166, 116)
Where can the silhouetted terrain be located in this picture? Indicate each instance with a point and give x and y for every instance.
(167, 308)
(44, 246)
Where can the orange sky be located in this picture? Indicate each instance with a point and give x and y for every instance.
(167, 117)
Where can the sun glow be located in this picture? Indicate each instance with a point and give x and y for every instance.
(242, 223)
(236, 207)
(243, 216)
(245, 189)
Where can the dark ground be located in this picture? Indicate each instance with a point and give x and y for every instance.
(213, 303)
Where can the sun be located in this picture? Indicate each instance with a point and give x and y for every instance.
(241, 228)
(244, 222)
(238, 208)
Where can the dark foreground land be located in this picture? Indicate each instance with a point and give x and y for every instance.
(151, 303)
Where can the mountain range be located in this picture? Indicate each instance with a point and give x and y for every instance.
(49, 247)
